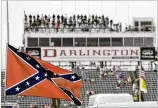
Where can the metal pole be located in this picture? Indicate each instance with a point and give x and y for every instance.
(151, 69)
(56, 103)
(6, 52)
(7, 23)
(128, 14)
(140, 81)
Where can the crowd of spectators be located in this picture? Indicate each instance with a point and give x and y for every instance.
(122, 80)
(83, 22)
(105, 72)
(116, 71)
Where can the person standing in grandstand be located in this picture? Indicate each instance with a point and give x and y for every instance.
(111, 24)
(70, 22)
(25, 19)
(37, 20)
(30, 20)
(117, 27)
(65, 21)
(57, 24)
(89, 22)
(57, 27)
(120, 27)
(45, 21)
(107, 22)
(48, 21)
(53, 21)
(79, 20)
(74, 22)
(62, 19)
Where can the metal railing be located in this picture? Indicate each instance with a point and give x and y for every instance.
(85, 28)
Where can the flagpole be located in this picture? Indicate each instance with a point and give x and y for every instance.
(128, 14)
(140, 81)
(6, 52)
(7, 23)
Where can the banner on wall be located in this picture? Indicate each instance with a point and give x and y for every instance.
(148, 53)
(36, 52)
(90, 53)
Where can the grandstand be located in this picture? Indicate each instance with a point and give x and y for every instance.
(39, 37)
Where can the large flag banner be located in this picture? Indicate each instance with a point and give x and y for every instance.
(143, 86)
(30, 76)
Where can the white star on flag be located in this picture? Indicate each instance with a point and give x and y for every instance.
(28, 58)
(54, 74)
(27, 83)
(73, 77)
(17, 88)
(45, 74)
(37, 66)
(71, 96)
(37, 77)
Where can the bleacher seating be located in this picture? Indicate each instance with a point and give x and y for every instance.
(108, 85)
(105, 85)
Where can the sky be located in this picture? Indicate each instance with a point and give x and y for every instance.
(119, 11)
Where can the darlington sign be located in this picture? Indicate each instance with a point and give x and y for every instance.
(89, 53)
